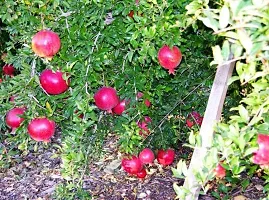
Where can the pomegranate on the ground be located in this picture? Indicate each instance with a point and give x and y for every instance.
(146, 156)
(41, 129)
(166, 157)
(169, 58)
(46, 43)
(132, 165)
(8, 69)
(142, 174)
(53, 82)
(13, 119)
(106, 98)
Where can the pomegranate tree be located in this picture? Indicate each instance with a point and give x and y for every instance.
(146, 156)
(53, 82)
(220, 171)
(13, 119)
(46, 43)
(106, 98)
(169, 58)
(8, 69)
(132, 165)
(166, 157)
(41, 129)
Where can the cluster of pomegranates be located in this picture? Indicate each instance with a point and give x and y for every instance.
(134, 165)
(45, 44)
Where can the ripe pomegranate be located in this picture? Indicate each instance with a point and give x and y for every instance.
(169, 58)
(46, 43)
(166, 157)
(41, 129)
(1, 80)
(143, 125)
(12, 98)
(147, 102)
(142, 174)
(13, 119)
(139, 95)
(132, 165)
(146, 156)
(261, 155)
(120, 107)
(106, 98)
(194, 118)
(220, 171)
(8, 69)
(53, 82)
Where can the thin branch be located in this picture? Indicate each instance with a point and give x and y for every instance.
(179, 102)
(235, 27)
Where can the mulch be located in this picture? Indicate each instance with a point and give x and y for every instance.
(36, 176)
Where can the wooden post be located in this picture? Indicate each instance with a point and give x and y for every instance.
(212, 115)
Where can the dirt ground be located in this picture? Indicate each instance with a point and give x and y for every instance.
(38, 174)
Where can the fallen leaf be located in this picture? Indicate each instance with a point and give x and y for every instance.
(259, 187)
(240, 197)
(112, 166)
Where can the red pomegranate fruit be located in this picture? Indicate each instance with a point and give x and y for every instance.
(132, 165)
(106, 98)
(220, 171)
(147, 102)
(13, 119)
(41, 129)
(139, 95)
(166, 157)
(194, 118)
(143, 125)
(261, 155)
(8, 69)
(46, 43)
(120, 107)
(169, 58)
(142, 174)
(53, 82)
(146, 156)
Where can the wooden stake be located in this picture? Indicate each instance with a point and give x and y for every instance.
(212, 115)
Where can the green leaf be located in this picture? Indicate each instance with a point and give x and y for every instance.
(243, 112)
(210, 22)
(217, 54)
(224, 17)
(250, 150)
(245, 40)
(225, 51)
